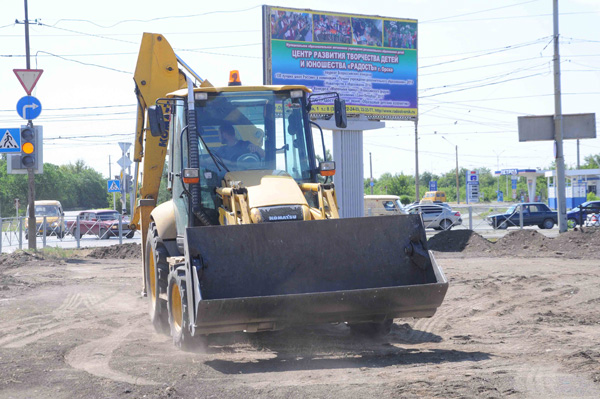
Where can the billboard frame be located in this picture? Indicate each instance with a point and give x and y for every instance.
(402, 80)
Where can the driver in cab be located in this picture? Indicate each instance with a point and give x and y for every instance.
(233, 148)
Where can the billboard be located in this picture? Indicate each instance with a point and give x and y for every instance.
(370, 61)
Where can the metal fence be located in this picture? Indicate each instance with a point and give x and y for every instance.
(69, 232)
(467, 216)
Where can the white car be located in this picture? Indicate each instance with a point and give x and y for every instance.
(437, 217)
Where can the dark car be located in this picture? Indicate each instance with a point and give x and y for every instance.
(534, 214)
(578, 215)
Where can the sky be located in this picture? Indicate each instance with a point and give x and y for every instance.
(481, 66)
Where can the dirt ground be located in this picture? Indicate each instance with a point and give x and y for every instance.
(521, 320)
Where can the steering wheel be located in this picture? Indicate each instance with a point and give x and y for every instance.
(249, 159)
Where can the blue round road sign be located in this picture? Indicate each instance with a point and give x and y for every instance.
(29, 107)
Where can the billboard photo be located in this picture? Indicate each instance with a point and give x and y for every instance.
(370, 61)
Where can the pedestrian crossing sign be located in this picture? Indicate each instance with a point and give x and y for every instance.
(10, 140)
(114, 186)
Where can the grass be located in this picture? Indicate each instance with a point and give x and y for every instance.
(55, 252)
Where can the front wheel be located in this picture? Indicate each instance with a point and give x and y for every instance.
(548, 224)
(178, 313)
(103, 234)
(571, 223)
(157, 270)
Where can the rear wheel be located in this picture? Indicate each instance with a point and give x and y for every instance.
(372, 329)
(157, 270)
(446, 224)
(548, 223)
(178, 313)
(130, 234)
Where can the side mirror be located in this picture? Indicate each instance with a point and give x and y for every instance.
(327, 168)
(156, 120)
(339, 107)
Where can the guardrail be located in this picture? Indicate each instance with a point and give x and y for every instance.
(71, 230)
(467, 216)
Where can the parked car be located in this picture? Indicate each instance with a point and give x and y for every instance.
(55, 218)
(436, 216)
(593, 220)
(102, 223)
(433, 197)
(534, 214)
(382, 205)
(579, 214)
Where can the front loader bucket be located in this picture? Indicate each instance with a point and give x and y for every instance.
(265, 276)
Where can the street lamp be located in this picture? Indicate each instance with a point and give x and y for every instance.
(457, 185)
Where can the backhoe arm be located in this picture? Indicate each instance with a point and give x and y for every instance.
(156, 75)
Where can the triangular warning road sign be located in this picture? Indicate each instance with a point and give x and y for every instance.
(28, 78)
(8, 141)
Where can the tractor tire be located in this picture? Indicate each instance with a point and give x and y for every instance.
(372, 330)
(178, 314)
(157, 271)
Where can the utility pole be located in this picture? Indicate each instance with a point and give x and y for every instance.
(457, 181)
(417, 193)
(31, 225)
(110, 177)
(457, 185)
(558, 131)
(371, 181)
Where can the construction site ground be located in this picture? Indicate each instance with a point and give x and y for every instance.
(521, 320)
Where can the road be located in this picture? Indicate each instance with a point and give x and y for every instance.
(509, 327)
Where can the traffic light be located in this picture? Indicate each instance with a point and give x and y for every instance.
(31, 152)
(28, 147)
(128, 183)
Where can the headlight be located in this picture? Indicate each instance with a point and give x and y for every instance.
(54, 224)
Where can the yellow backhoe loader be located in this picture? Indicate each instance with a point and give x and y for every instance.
(251, 239)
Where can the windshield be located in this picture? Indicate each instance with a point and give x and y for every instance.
(512, 209)
(46, 210)
(255, 130)
(108, 216)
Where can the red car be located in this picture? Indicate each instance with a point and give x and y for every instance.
(102, 223)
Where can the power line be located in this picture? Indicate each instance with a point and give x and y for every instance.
(485, 85)
(517, 17)
(490, 52)
(478, 12)
(83, 63)
(156, 19)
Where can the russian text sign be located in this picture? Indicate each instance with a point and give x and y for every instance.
(370, 61)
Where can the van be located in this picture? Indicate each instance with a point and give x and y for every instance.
(381, 205)
(433, 196)
(55, 218)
